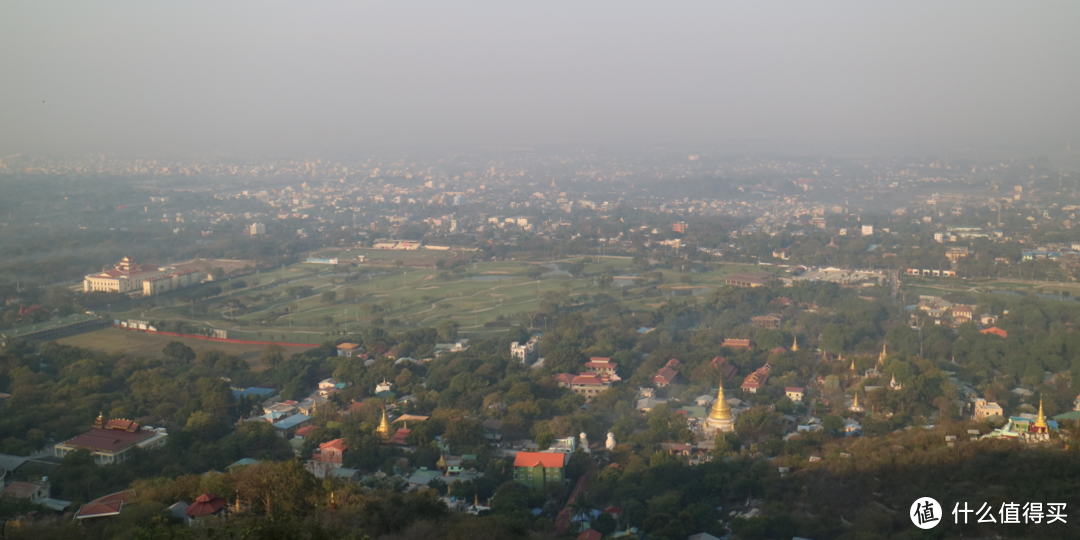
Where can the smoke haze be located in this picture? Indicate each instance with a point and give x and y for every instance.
(280, 76)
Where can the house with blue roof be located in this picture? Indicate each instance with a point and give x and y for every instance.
(288, 426)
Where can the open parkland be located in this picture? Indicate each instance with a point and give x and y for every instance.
(395, 290)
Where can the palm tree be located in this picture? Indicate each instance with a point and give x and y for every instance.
(581, 506)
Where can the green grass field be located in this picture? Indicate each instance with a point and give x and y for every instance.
(115, 340)
(410, 295)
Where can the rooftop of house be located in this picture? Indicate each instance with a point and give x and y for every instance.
(109, 440)
(546, 459)
(108, 505)
(23, 490)
(336, 444)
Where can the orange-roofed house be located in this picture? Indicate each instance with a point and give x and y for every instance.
(331, 452)
(327, 457)
(539, 469)
(996, 331)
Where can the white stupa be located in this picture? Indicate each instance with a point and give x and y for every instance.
(610, 444)
(584, 442)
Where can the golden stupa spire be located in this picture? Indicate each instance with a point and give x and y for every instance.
(1040, 421)
(441, 464)
(794, 344)
(881, 357)
(856, 404)
(852, 364)
(384, 425)
(720, 408)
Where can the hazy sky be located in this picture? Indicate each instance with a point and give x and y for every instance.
(153, 76)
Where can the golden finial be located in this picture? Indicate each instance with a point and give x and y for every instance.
(794, 344)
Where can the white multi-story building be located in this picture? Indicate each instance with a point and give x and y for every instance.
(126, 276)
(129, 277)
(257, 229)
(524, 351)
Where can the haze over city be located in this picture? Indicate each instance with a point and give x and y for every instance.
(339, 77)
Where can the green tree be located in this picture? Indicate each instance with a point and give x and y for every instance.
(329, 297)
(178, 351)
(448, 331)
(577, 268)
(605, 281)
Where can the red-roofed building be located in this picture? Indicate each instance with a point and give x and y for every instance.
(538, 469)
(589, 385)
(996, 331)
(794, 393)
(756, 379)
(399, 437)
(354, 407)
(112, 442)
(109, 505)
(205, 505)
(727, 371)
(564, 379)
(665, 376)
(592, 534)
(602, 366)
(303, 432)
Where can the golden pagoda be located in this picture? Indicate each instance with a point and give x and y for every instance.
(852, 364)
(384, 426)
(1040, 425)
(881, 357)
(441, 464)
(855, 405)
(720, 417)
(794, 344)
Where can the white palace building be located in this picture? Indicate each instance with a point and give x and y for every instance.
(127, 277)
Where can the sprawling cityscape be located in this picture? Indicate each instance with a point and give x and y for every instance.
(737, 340)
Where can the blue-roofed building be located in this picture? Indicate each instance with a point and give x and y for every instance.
(242, 462)
(288, 426)
(254, 391)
